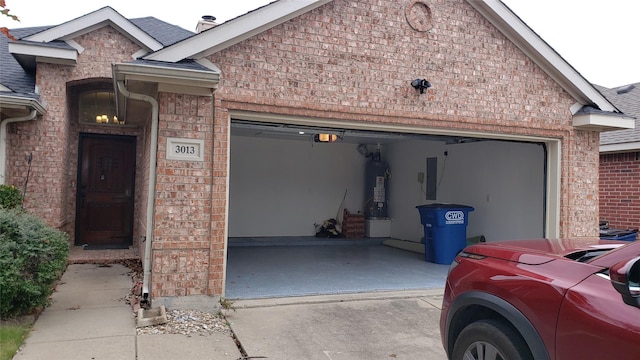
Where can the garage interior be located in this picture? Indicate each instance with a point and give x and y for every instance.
(285, 183)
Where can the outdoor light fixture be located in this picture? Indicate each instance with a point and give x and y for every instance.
(421, 84)
(326, 138)
(98, 107)
(104, 119)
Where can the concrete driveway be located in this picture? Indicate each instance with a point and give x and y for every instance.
(386, 325)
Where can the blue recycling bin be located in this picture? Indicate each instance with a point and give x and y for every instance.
(618, 234)
(445, 230)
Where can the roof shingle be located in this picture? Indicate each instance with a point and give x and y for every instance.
(627, 99)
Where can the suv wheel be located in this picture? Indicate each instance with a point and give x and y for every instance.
(490, 340)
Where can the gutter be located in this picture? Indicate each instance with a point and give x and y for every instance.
(146, 298)
(191, 81)
(3, 140)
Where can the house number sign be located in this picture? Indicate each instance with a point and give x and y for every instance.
(185, 149)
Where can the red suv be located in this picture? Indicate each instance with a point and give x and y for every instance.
(543, 299)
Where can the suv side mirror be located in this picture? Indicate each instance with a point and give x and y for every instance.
(625, 278)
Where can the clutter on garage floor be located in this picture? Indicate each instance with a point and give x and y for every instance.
(353, 225)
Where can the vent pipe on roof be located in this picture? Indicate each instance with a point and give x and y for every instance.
(625, 89)
(206, 23)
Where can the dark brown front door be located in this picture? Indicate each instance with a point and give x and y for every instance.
(106, 173)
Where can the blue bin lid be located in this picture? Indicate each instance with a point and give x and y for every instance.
(617, 232)
(444, 206)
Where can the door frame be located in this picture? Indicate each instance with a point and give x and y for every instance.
(82, 137)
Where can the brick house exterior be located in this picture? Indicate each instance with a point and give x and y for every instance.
(307, 62)
(620, 163)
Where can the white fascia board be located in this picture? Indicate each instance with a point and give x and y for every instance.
(167, 76)
(236, 30)
(619, 148)
(45, 54)
(8, 101)
(76, 46)
(93, 21)
(209, 65)
(541, 53)
(602, 122)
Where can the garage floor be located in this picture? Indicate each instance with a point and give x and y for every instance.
(299, 266)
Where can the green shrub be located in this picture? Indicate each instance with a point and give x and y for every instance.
(33, 255)
(10, 197)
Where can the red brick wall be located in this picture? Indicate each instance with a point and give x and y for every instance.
(46, 139)
(579, 196)
(354, 61)
(182, 248)
(620, 190)
(220, 180)
(347, 60)
(52, 139)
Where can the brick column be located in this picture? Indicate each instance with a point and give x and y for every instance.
(181, 248)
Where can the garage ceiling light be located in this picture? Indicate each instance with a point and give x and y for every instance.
(326, 138)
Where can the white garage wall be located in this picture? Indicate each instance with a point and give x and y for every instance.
(283, 187)
(503, 181)
(405, 193)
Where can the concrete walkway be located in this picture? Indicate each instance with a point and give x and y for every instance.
(89, 320)
(383, 325)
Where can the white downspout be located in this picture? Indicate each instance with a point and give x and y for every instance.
(146, 298)
(3, 141)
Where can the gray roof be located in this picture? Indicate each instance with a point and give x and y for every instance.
(186, 64)
(11, 73)
(627, 99)
(22, 82)
(165, 33)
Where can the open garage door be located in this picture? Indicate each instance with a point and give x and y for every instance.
(285, 181)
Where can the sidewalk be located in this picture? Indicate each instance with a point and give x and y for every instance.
(89, 320)
(383, 325)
